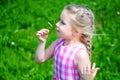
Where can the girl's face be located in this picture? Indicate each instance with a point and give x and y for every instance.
(64, 29)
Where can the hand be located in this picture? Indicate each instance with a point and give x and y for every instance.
(42, 34)
(89, 72)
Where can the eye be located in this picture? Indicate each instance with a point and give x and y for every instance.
(61, 21)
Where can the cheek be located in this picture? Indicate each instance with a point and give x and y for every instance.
(68, 32)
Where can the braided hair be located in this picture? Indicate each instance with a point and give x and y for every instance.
(83, 19)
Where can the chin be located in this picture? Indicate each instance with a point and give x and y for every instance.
(60, 36)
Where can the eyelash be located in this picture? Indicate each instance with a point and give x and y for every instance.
(62, 22)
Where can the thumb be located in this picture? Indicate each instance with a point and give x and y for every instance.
(95, 72)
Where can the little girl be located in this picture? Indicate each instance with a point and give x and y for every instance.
(72, 51)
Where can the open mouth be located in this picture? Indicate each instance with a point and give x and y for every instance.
(57, 30)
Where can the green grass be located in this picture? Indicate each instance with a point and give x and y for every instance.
(20, 19)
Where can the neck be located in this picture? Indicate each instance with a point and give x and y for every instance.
(72, 42)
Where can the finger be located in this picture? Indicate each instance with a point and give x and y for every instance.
(93, 66)
(95, 71)
(45, 30)
(84, 70)
(42, 32)
(88, 68)
(41, 39)
(38, 34)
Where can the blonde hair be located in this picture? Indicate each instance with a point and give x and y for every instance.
(83, 19)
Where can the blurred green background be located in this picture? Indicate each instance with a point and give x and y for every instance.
(20, 19)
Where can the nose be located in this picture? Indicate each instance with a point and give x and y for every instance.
(57, 24)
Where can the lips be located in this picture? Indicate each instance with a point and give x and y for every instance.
(57, 30)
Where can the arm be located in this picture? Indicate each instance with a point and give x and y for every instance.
(82, 59)
(84, 67)
(41, 54)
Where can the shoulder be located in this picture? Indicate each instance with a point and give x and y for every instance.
(82, 53)
(82, 56)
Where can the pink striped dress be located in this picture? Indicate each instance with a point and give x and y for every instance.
(64, 67)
